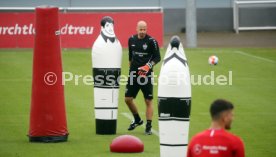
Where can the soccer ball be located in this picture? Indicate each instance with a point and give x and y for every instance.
(213, 60)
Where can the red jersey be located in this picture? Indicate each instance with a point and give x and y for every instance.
(215, 143)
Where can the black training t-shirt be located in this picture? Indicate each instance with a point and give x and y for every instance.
(142, 51)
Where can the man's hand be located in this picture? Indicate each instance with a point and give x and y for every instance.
(143, 70)
(129, 63)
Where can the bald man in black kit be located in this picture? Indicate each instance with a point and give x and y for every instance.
(143, 55)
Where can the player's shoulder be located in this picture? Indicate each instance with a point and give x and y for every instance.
(216, 133)
(150, 38)
(234, 137)
(152, 41)
(230, 137)
(133, 37)
(197, 138)
(200, 135)
(229, 134)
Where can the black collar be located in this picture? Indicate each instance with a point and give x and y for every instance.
(111, 39)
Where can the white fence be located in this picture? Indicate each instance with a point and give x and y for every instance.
(236, 20)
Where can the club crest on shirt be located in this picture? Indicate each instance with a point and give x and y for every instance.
(197, 149)
(145, 46)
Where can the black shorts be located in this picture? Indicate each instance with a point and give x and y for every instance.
(135, 83)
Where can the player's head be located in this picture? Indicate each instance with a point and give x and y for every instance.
(222, 111)
(141, 29)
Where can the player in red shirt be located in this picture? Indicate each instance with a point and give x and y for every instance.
(216, 141)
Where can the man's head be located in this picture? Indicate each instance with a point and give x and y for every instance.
(222, 112)
(141, 29)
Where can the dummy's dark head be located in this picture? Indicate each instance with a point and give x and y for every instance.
(175, 42)
(106, 19)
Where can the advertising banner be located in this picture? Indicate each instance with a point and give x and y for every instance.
(78, 29)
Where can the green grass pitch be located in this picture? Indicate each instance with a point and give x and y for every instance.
(253, 91)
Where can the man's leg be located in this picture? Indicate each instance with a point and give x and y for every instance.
(147, 90)
(132, 107)
(149, 109)
(149, 114)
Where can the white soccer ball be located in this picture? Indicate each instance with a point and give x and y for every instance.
(213, 60)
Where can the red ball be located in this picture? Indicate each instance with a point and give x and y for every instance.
(127, 144)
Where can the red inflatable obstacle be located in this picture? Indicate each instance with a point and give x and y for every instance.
(47, 117)
(127, 144)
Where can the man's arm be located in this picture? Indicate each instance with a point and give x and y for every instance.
(155, 52)
(189, 151)
(129, 50)
(239, 148)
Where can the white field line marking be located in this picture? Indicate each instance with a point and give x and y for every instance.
(256, 57)
(203, 51)
(242, 53)
(128, 116)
